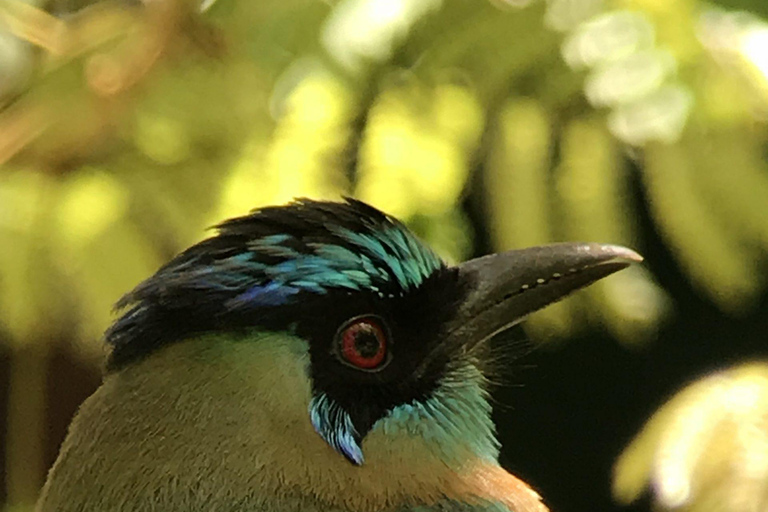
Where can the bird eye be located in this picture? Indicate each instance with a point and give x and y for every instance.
(362, 344)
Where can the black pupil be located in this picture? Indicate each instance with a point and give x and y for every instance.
(366, 343)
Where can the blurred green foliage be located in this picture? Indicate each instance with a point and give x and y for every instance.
(705, 449)
(127, 128)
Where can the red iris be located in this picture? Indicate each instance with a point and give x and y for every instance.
(363, 344)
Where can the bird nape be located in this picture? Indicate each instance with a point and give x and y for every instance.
(310, 357)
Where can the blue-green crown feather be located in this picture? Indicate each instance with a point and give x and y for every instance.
(270, 258)
(353, 261)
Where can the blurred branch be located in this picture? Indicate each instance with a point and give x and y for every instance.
(81, 93)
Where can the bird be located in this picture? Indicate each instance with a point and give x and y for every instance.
(313, 356)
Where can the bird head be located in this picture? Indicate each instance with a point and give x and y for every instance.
(388, 331)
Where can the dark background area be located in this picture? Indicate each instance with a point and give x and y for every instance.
(570, 409)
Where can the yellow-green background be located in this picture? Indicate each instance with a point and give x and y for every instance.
(128, 128)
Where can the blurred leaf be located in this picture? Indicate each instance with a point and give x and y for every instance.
(91, 203)
(705, 449)
(98, 250)
(517, 181)
(190, 117)
(755, 6)
(734, 179)
(28, 285)
(717, 262)
(415, 158)
(101, 271)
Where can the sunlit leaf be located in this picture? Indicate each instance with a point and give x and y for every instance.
(101, 271)
(360, 31)
(704, 450)
(306, 154)
(97, 250)
(91, 203)
(415, 158)
(675, 24)
(717, 261)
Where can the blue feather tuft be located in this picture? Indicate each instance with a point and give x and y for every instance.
(272, 294)
(335, 426)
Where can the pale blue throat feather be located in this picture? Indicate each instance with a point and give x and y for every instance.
(454, 422)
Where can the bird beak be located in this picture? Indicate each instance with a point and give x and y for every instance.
(506, 287)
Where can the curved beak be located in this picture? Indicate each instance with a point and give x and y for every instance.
(505, 288)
